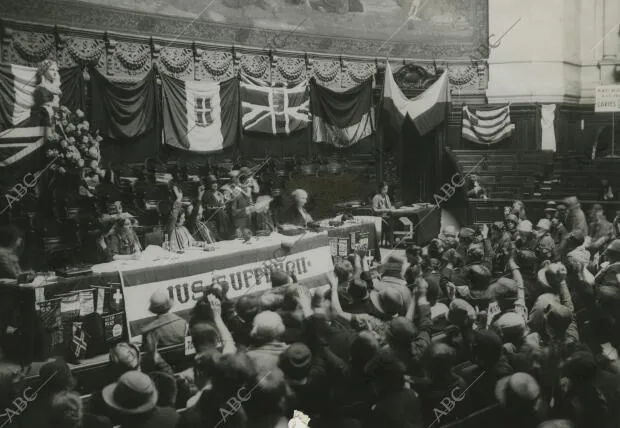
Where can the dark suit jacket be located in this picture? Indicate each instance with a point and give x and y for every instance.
(295, 217)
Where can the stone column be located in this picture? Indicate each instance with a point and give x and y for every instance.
(611, 41)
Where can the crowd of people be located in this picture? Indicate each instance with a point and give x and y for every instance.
(511, 325)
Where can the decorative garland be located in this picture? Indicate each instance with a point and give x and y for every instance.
(461, 77)
(176, 60)
(360, 72)
(133, 57)
(217, 63)
(85, 51)
(254, 65)
(326, 71)
(291, 68)
(35, 48)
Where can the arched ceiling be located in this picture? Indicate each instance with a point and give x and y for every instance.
(433, 29)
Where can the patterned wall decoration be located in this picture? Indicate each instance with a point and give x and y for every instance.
(125, 58)
(426, 29)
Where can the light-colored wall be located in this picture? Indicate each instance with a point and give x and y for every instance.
(556, 51)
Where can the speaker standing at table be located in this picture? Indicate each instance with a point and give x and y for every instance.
(297, 215)
(382, 206)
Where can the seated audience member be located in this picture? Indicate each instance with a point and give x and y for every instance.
(488, 365)
(610, 273)
(576, 218)
(134, 399)
(297, 215)
(518, 209)
(66, 411)
(591, 394)
(307, 377)
(393, 271)
(545, 245)
(439, 310)
(205, 364)
(233, 374)
(550, 210)
(449, 237)
(10, 248)
(166, 385)
(266, 332)
(511, 222)
(520, 398)
(441, 382)
(466, 238)
(268, 406)
(394, 404)
(606, 192)
(601, 230)
(167, 328)
(280, 278)
(195, 223)
(474, 189)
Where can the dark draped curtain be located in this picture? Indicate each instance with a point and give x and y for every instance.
(457, 205)
(421, 164)
(128, 117)
(73, 88)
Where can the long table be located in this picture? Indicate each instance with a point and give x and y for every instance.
(426, 218)
(240, 267)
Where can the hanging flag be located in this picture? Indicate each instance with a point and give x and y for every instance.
(49, 314)
(427, 110)
(70, 306)
(79, 343)
(124, 110)
(274, 110)
(487, 126)
(200, 116)
(87, 302)
(341, 118)
(17, 84)
(115, 300)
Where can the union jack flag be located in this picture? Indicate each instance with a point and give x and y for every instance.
(79, 344)
(274, 109)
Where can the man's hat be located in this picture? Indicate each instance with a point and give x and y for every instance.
(525, 226)
(160, 302)
(504, 289)
(550, 206)
(521, 386)
(548, 272)
(450, 231)
(133, 394)
(571, 202)
(391, 301)
(467, 233)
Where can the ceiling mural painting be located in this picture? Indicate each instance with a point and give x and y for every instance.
(398, 28)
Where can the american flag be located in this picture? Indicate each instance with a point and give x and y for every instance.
(274, 110)
(79, 344)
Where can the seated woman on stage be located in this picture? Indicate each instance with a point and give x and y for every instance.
(195, 223)
(10, 245)
(297, 215)
(122, 242)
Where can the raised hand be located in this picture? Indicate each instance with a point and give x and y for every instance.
(216, 306)
(177, 192)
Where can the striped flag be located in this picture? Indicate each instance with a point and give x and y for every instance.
(487, 126)
(274, 110)
(342, 118)
(17, 84)
(427, 110)
(200, 116)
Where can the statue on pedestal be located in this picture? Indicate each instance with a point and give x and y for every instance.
(47, 92)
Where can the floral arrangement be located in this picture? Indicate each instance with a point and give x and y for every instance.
(72, 144)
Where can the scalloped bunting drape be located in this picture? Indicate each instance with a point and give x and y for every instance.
(124, 110)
